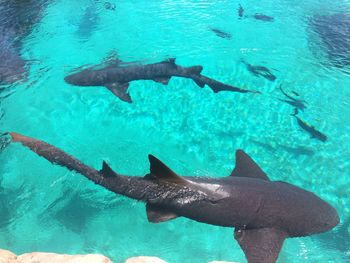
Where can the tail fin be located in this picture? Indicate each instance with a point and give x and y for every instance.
(56, 156)
(195, 70)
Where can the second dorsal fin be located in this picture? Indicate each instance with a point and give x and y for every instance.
(162, 172)
(246, 167)
(107, 171)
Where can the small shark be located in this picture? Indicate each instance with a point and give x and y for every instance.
(240, 11)
(259, 71)
(221, 33)
(116, 78)
(263, 17)
(88, 22)
(309, 128)
(264, 213)
(297, 103)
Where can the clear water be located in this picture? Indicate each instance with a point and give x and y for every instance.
(196, 132)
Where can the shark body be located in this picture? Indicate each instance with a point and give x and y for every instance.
(116, 78)
(264, 213)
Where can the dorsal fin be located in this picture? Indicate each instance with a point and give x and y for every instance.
(106, 170)
(246, 167)
(171, 60)
(162, 172)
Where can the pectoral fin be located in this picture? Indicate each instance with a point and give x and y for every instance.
(163, 80)
(157, 214)
(120, 90)
(261, 245)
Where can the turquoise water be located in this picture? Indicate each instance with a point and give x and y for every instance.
(193, 130)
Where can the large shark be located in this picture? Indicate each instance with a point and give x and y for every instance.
(264, 213)
(16, 22)
(117, 77)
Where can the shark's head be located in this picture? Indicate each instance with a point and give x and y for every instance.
(328, 218)
(87, 77)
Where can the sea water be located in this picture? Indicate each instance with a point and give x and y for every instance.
(193, 130)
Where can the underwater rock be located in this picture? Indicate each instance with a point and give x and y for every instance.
(38, 257)
(144, 260)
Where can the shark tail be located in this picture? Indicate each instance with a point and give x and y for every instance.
(57, 156)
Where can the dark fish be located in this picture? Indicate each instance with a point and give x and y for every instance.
(264, 213)
(299, 104)
(89, 21)
(109, 6)
(240, 11)
(295, 93)
(309, 128)
(117, 79)
(220, 33)
(260, 71)
(263, 17)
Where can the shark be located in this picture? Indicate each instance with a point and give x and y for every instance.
(259, 71)
(116, 77)
(297, 103)
(263, 212)
(310, 129)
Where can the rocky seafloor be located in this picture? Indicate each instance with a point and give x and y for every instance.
(41, 257)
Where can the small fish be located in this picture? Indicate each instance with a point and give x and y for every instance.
(299, 104)
(263, 17)
(240, 11)
(220, 33)
(309, 128)
(109, 6)
(260, 71)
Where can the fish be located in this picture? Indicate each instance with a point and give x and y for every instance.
(109, 6)
(240, 11)
(88, 22)
(314, 133)
(297, 103)
(17, 19)
(262, 212)
(260, 71)
(221, 33)
(116, 78)
(263, 17)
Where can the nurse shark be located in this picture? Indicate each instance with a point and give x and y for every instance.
(264, 213)
(116, 77)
